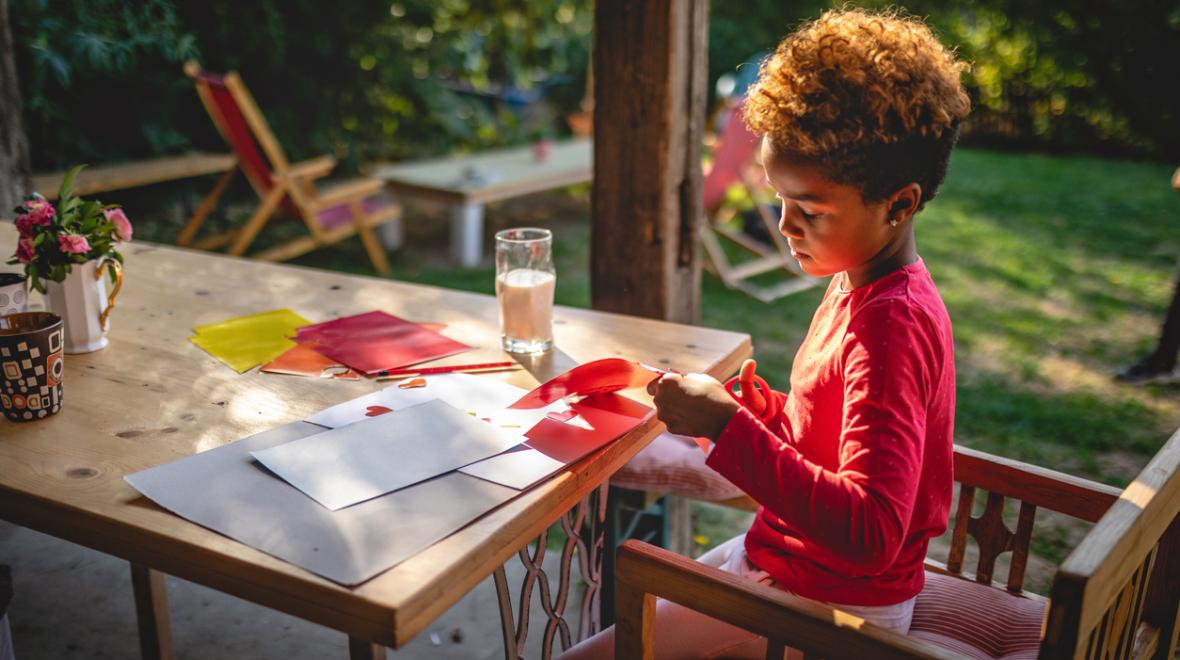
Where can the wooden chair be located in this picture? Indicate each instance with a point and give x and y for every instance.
(331, 214)
(733, 159)
(1117, 595)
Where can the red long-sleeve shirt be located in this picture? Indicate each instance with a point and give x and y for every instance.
(853, 467)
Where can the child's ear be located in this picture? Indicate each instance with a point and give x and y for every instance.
(904, 203)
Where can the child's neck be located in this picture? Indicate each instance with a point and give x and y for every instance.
(895, 255)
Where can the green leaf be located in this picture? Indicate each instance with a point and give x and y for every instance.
(67, 184)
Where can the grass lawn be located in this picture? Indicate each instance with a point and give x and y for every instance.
(1055, 270)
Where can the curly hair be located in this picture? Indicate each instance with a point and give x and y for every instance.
(873, 98)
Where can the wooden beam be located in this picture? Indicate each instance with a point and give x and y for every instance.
(649, 90)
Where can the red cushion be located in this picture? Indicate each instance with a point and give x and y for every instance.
(977, 620)
(674, 464)
(335, 216)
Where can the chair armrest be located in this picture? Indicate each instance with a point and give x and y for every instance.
(347, 191)
(643, 571)
(308, 169)
(1057, 491)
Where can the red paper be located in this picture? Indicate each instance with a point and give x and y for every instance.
(376, 341)
(597, 377)
(610, 415)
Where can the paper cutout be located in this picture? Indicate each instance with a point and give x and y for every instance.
(303, 360)
(412, 383)
(553, 444)
(376, 341)
(597, 377)
(354, 463)
(482, 396)
(374, 411)
(245, 342)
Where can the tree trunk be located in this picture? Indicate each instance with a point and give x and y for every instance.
(14, 146)
(649, 92)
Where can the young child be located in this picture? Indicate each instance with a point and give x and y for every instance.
(859, 112)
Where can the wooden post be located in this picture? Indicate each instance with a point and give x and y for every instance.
(649, 92)
(14, 145)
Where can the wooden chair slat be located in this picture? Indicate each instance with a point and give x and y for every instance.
(954, 562)
(1020, 547)
(991, 535)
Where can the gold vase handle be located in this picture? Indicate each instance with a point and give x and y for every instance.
(98, 273)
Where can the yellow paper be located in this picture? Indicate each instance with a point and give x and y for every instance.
(248, 341)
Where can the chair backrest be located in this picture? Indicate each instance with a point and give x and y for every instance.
(1118, 593)
(735, 150)
(240, 122)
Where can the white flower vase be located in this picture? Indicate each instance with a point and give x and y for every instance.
(84, 304)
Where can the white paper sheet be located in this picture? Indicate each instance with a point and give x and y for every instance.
(354, 463)
(226, 490)
(518, 468)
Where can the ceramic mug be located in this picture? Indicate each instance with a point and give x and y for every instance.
(31, 365)
(13, 296)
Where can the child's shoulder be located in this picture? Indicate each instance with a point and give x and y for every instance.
(905, 295)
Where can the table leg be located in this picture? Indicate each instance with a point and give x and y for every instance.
(363, 649)
(584, 527)
(151, 610)
(391, 234)
(467, 234)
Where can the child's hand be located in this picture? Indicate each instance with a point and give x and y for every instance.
(692, 404)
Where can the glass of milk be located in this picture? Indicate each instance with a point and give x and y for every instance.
(524, 288)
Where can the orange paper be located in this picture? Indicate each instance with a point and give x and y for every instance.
(303, 360)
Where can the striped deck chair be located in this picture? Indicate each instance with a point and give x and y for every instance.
(330, 214)
(733, 158)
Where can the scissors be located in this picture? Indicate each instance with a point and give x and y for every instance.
(753, 392)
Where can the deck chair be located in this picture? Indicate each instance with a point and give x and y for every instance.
(331, 214)
(1117, 595)
(733, 157)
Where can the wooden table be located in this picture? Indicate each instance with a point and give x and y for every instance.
(152, 397)
(469, 182)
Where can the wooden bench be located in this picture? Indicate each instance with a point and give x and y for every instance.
(117, 176)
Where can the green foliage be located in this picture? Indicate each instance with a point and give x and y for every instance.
(375, 79)
(86, 68)
(363, 80)
(1093, 77)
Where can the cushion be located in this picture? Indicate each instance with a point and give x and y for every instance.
(977, 620)
(674, 464)
(335, 216)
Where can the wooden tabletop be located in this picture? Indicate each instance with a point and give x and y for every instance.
(490, 176)
(152, 396)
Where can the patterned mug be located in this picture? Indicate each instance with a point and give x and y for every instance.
(13, 297)
(31, 365)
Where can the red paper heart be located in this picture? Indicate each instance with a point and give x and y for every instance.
(374, 411)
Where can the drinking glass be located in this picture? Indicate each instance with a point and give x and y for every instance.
(524, 287)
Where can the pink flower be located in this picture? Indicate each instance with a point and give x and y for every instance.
(40, 211)
(25, 225)
(122, 225)
(73, 244)
(25, 251)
